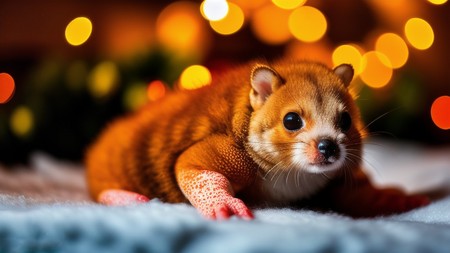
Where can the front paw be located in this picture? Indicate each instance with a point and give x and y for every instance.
(367, 201)
(224, 209)
(390, 201)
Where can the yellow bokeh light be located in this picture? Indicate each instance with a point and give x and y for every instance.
(419, 33)
(194, 77)
(78, 31)
(437, 2)
(307, 24)
(288, 4)
(135, 96)
(214, 10)
(376, 70)
(232, 22)
(394, 47)
(103, 79)
(270, 24)
(349, 54)
(180, 27)
(21, 121)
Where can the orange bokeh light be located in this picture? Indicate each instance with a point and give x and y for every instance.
(419, 33)
(394, 48)
(231, 23)
(156, 90)
(180, 27)
(376, 69)
(440, 112)
(307, 24)
(7, 87)
(273, 30)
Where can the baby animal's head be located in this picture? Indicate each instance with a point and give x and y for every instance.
(304, 118)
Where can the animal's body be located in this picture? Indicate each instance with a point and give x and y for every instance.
(261, 135)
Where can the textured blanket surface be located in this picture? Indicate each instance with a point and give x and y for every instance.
(45, 208)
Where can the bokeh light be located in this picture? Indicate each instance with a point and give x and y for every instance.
(270, 25)
(194, 77)
(440, 112)
(156, 90)
(103, 79)
(349, 54)
(394, 48)
(288, 4)
(307, 24)
(22, 121)
(419, 33)
(7, 87)
(250, 5)
(437, 2)
(78, 31)
(318, 51)
(179, 27)
(135, 96)
(214, 10)
(231, 23)
(376, 70)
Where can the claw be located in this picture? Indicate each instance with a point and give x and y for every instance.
(229, 207)
(222, 213)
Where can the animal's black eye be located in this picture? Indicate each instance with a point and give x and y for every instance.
(292, 121)
(345, 121)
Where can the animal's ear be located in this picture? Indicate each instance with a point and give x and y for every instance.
(345, 73)
(264, 80)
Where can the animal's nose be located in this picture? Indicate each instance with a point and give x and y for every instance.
(328, 148)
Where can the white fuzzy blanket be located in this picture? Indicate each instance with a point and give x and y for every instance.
(45, 208)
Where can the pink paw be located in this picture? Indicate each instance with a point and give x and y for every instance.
(211, 193)
(116, 197)
(227, 208)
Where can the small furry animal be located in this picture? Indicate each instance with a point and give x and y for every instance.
(261, 135)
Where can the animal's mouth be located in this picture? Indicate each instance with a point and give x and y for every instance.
(324, 163)
(321, 160)
(324, 167)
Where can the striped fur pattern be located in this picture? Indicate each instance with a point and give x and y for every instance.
(233, 127)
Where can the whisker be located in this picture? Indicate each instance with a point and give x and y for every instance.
(289, 173)
(348, 178)
(277, 172)
(278, 177)
(378, 118)
(324, 174)
(297, 179)
(383, 133)
(271, 169)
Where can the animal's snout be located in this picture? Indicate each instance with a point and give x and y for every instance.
(328, 149)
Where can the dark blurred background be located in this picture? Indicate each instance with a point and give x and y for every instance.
(61, 82)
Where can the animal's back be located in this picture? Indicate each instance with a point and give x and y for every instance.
(138, 152)
(291, 121)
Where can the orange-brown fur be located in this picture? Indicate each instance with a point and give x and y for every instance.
(164, 149)
(138, 152)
